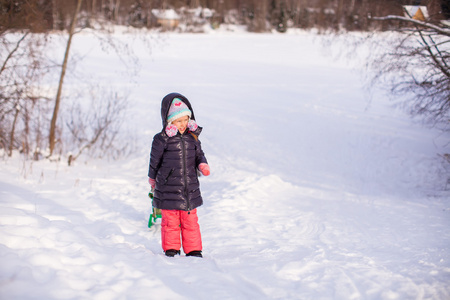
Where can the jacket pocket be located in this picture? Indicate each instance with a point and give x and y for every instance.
(168, 175)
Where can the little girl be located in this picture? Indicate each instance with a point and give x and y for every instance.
(174, 159)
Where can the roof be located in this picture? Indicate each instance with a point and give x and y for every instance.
(416, 12)
(166, 14)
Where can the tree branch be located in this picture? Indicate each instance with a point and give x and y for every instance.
(442, 66)
(438, 29)
(12, 52)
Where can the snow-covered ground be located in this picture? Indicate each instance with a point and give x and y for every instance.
(315, 192)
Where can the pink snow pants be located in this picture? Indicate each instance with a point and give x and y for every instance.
(178, 222)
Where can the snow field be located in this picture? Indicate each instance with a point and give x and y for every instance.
(315, 192)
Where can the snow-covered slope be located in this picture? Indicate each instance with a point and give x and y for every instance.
(314, 193)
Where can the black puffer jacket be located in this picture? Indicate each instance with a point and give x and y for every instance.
(174, 162)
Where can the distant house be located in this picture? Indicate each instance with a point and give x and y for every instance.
(166, 18)
(419, 13)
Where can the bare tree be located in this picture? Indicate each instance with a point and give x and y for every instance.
(94, 126)
(26, 118)
(52, 136)
(418, 66)
(21, 67)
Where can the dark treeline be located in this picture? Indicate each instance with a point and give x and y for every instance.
(258, 15)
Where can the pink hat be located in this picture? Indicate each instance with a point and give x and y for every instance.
(177, 110)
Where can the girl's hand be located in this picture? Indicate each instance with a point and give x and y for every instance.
(152, 182)
(204, 169)
(192, 125)
(171, 130)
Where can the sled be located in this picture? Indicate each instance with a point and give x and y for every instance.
(155, 214)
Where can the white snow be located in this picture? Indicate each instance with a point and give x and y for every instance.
(315, 192)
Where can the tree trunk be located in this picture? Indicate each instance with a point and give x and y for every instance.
(11, 141)
(116, 11)
(52, 137)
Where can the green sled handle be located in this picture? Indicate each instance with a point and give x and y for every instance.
(155, 214)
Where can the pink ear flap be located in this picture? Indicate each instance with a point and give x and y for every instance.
(171, 130)
(192, 125)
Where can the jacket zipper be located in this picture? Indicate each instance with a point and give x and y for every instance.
(183, 147)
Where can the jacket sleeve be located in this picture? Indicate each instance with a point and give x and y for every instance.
(199, 155)
(156, 155)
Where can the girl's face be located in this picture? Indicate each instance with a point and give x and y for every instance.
(181, 123)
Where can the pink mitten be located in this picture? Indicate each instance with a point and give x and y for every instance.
(152, 182)
(204, 168)
(192, 125)
(171, 130)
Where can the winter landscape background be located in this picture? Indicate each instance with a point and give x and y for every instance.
(318, 190)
